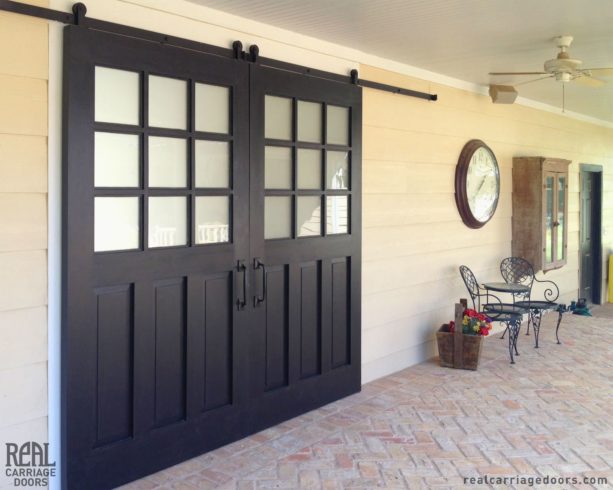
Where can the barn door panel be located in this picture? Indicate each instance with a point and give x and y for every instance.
(155, 210)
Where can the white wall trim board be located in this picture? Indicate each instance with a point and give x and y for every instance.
(54, 261)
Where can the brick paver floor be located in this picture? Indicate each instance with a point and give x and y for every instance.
(551, 414)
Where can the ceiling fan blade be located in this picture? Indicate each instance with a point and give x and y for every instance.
(533, 80)
(601, 72)
(588, 81)
(520, 73)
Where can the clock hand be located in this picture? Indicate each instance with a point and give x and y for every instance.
(482, 183)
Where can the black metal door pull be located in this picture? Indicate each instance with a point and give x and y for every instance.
(241, 303)
(258, 264)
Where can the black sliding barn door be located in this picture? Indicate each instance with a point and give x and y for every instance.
(211, 262)
(305, 240)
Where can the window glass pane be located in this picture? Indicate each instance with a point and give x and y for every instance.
(277, 167)
(549, 219)
(167, 221)
(117, 98)
(278, 118)
(308, 216)
(309, 121)
(116, 223)
(337, 127)
(212, 164)
(167, 162)
(167, 102)
(337, 170)
(337, 214)
(309, 169)
(212, 219)
(212, 108)
(116, 160)
(277, 217)
(561, 223)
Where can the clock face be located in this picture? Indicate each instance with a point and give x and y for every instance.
(477, 184)
(482, 184)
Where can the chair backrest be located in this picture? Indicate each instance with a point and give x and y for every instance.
(516, 270)
(471, 284)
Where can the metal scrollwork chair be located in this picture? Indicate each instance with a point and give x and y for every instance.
(497, 311)
(517, 270)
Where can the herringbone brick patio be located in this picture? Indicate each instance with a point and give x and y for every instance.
(551, 414)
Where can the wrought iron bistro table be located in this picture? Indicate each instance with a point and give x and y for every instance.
(511, 314)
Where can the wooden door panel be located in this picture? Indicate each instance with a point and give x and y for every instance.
(218, 341)
(341, 311)
(310, 319)
(115, 333)
(277, 327)
(170, 351)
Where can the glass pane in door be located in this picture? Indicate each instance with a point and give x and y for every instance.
(337, 170)
(277, 167)
(549, 217)
(308, 214)
(167, 221)
(309, 169)
(116, 160)
(277, 217)
(167, 102)
(278, 118)
(309, 121)
(116, 223)
(337, 126)
(167, 162)
(337, 214)
(117, 98)
(212, 164)
(561, 249)
(212, 108)
(212, 219)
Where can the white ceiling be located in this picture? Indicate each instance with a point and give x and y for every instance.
(463, 39)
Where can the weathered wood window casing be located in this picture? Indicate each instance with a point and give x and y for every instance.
(540, 211)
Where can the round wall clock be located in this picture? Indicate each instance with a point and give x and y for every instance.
(477, 184)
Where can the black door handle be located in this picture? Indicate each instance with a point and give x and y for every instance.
(241, 303)
(258, 264)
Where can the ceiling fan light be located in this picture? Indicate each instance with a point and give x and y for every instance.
(563, 77)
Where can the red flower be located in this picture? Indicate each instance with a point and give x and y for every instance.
(485, 331)
(452, 326)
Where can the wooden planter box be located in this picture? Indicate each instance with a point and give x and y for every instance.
(458, 350)
(471, 348)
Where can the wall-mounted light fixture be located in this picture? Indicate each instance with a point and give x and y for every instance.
(503, 94)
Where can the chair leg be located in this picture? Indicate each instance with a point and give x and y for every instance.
(536, 316)
(513, 327)
(505, 332)
(558, 325)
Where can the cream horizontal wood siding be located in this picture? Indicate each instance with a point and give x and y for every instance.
(23, 164)
(23, 230)
(414, 238)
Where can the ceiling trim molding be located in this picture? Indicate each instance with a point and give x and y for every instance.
(332, 57)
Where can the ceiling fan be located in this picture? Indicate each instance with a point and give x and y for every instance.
(566, 69)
